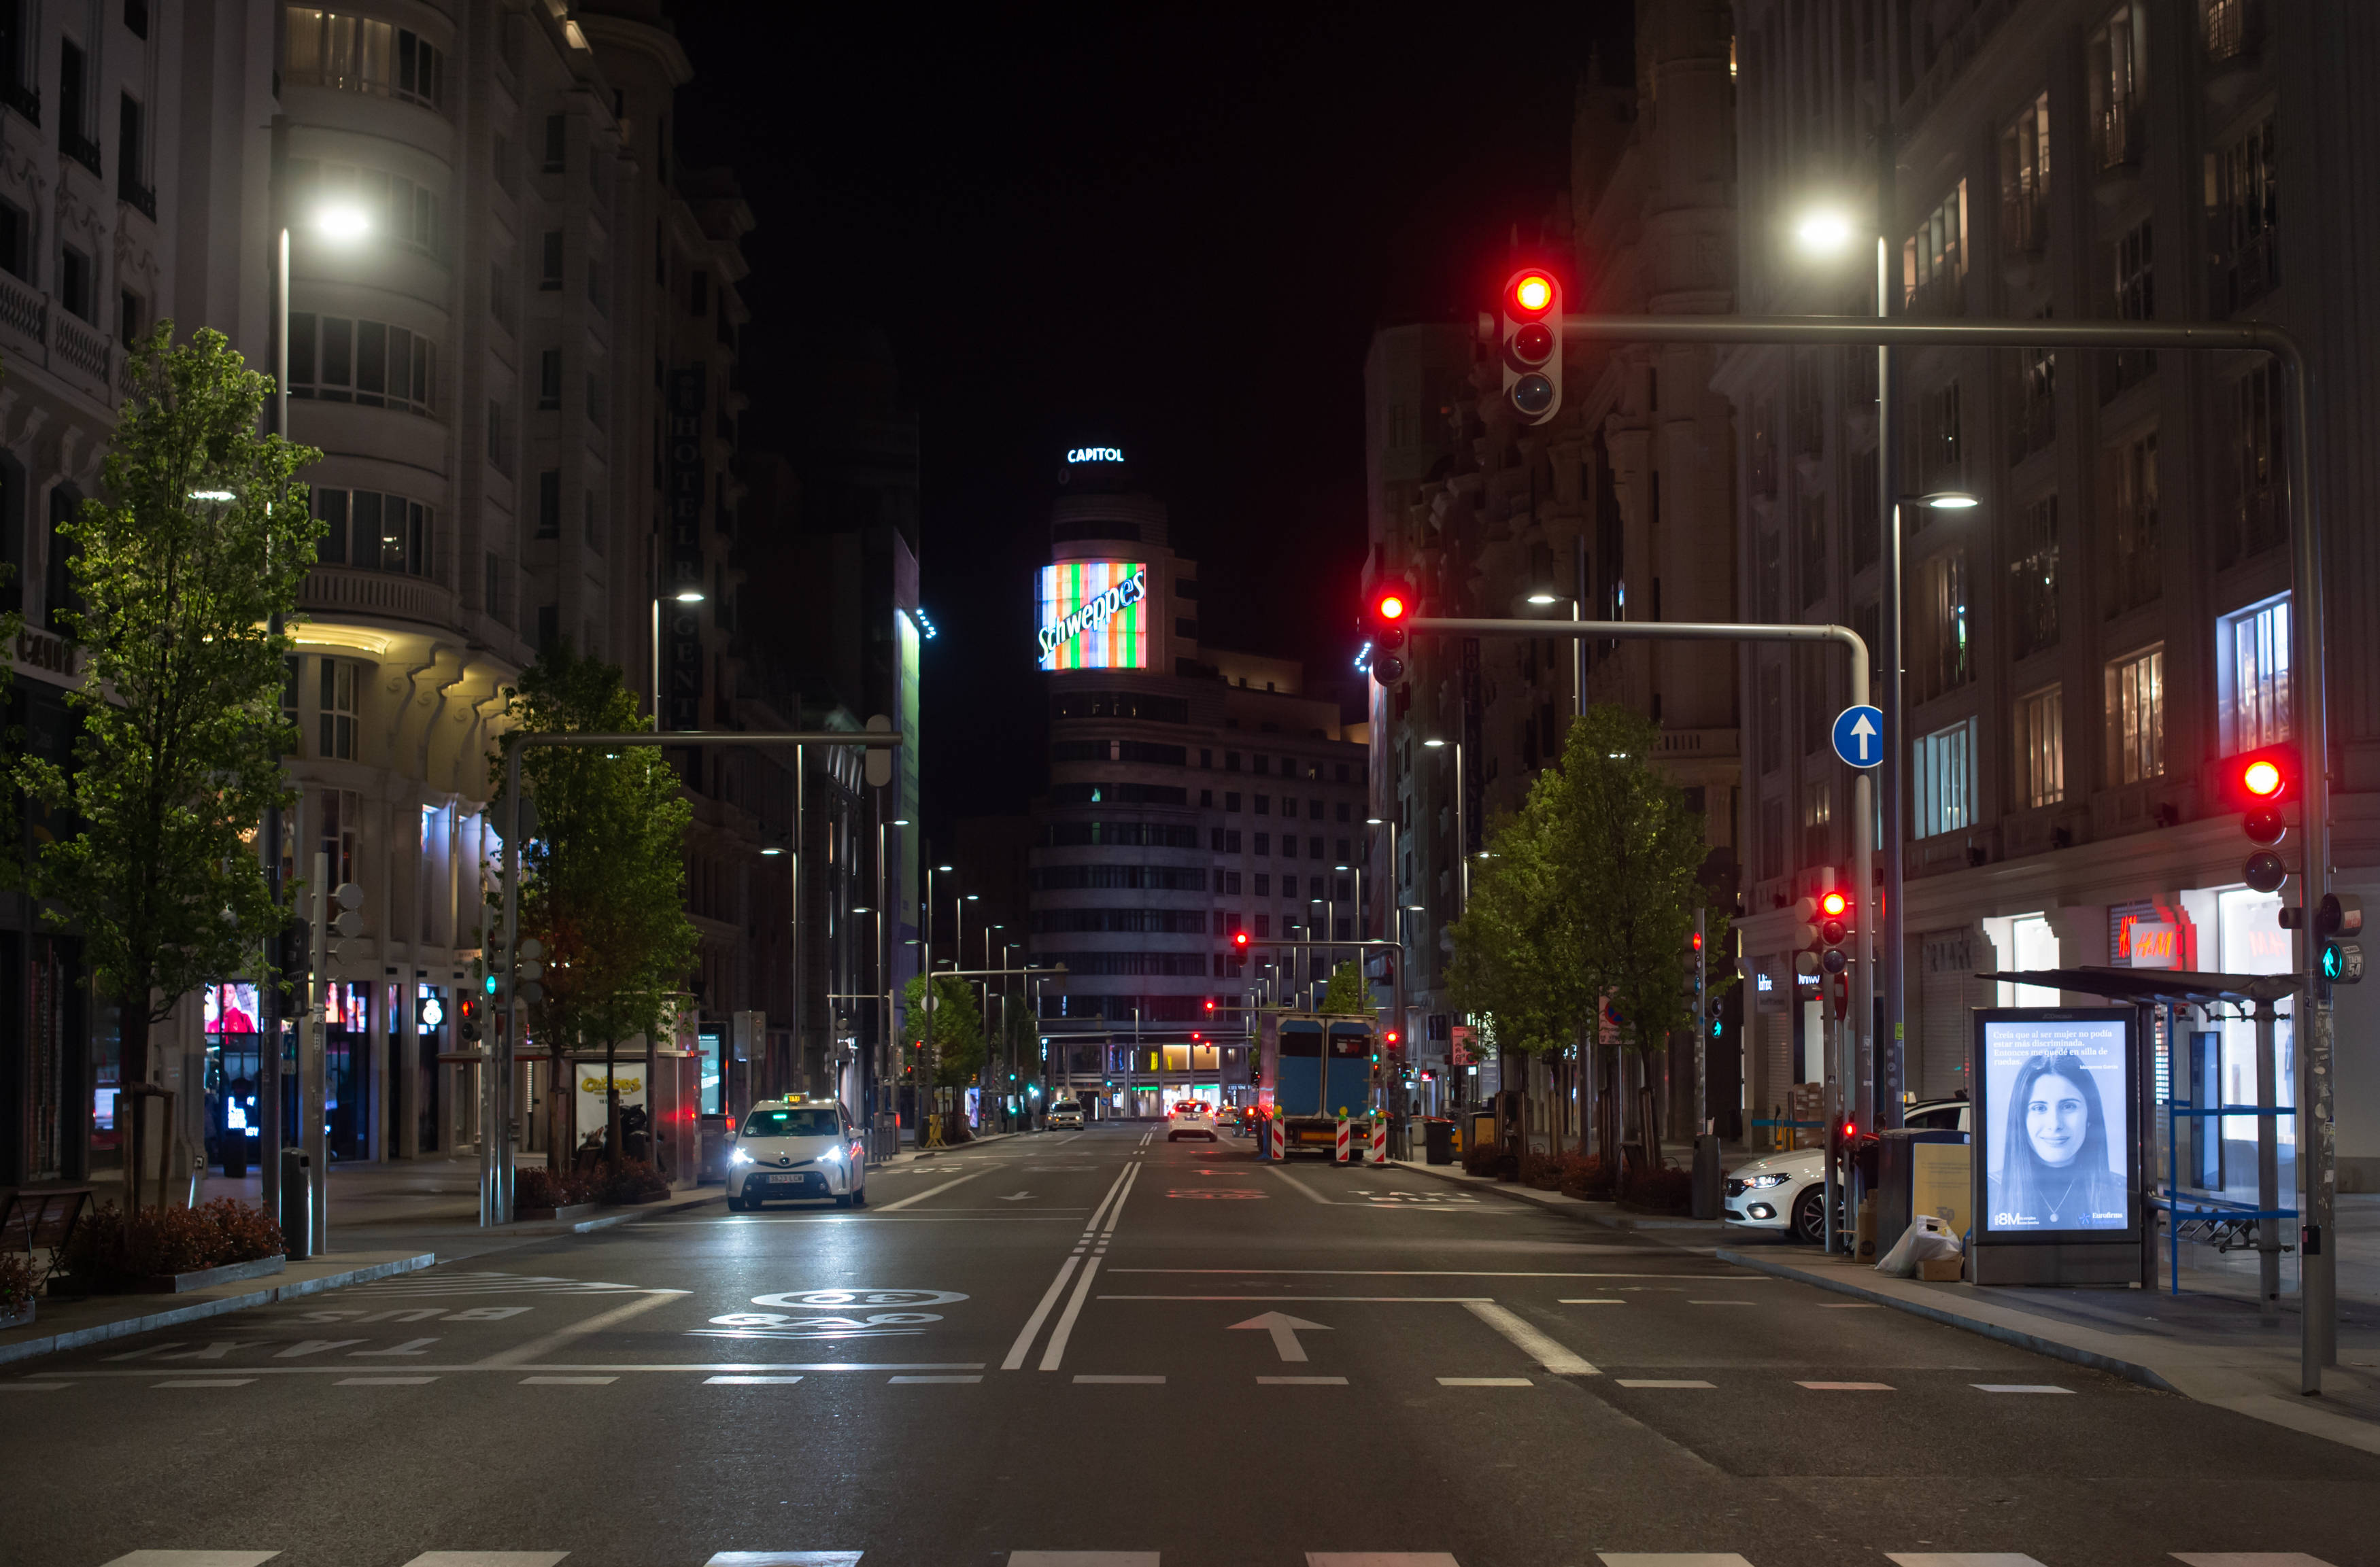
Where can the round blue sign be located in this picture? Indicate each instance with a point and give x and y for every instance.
(1859, 735)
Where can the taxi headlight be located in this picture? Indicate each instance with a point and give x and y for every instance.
(739, 1157)
(1764, 1180)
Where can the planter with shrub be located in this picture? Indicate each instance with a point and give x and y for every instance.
(631, 1180)
(16, 1282)
(1658, 1191)
(167, 1250)
(541, 1194)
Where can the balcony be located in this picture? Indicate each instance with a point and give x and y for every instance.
(2248, 273)
(2235, 32)
(2116, 141)
(82, 148)
(57, 342)
(23, 98)
(2024, 225)
(140, 198)
(337, 591)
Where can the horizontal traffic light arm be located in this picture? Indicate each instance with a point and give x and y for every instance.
(1368, 942)
(1657, 631)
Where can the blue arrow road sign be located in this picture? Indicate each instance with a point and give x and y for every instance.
(1859, 737)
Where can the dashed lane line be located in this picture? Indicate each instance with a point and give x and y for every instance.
(930, 1192)
(1491, 1383)
(1656, 1383)
(1846, 1386)
(907, 1381)
(1117, 1381)
(2020, 1388)
(1554, 1357)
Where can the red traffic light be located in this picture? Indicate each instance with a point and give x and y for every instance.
(1696, 940)
(1210, 1004)
(1240, 940)
(1392, 1036)
(1391, 603)
(2262, 778)
(1832, 903)
(1531, 293)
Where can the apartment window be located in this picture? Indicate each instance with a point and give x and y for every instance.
(338, 710)
(1943, 776)
(2041, 747)
(15, 239)
(1817, 823)
(500, 437)
(1813, 549)
(2032, 576)
(1263, 925)
(550, 274)
(491, 591)
(340, 360)
(549, 379)
(132, 185)
(2112, 65)
(1772, 839)
(549, 626)
(556, 130)
(136, 17)
(2024, 179)
(2135, 568)
(1938, 453)
(549, 504)
(358, 55)
(1933, 259)
(75, 281)
(1263, 842)
(698, 294)
(1771, 739)
(74, 138)
(132, 315)
(374, 531)
(2135, 299)
(2032, 404)
(2243, 218)
(2136, 716)
(2260, 511)
(17, 38)
(1942, 650)
(2253, 656)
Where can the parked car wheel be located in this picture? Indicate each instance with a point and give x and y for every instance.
(1810, 1217)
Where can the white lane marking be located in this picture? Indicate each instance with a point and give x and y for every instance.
(1409, 1300)
(1722, 1302)
(1671, 1559)
(610, 1367)
(1132, 1179)
(2022, 1387)
(1605, 1301)
(2012, 1559)
(1846, 1386)
(1545, 1350)
(1301, 1382)
(206, 1382)
(1489, 1382)
(384, 1381)
(538, 1349)
(1082, 1559)
(929, 1192)
(1118, 1381)
(195, 1559)
(1652, 1382)
(1379, 1559)
(1310, 1192)
(1391, 1272)
(1055, 1352)
(33, 1387)
(751, 1382)
(1850, 1305)
(487, 1559)
(2248, 1559)
(784, 1558)
(1114, 1187)
(904, 1381)
(1032, 1328)
(409, 1347)
(567, 1381)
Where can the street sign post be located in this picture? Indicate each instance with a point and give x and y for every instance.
(1859, 735)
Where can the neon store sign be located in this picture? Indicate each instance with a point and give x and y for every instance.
(1096, 455)
(1092, 614)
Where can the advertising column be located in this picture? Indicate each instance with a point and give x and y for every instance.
(2057, 1146)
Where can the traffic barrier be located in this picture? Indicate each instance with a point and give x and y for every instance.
(1346, 1130)
(1379, 1140)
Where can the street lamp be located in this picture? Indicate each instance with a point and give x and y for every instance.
(682, 596)
(1462, 819)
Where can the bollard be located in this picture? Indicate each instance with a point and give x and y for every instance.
(296, 1203)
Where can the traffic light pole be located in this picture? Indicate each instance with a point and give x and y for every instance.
(496, 1173)
(2310, 701)
(1854, 1043)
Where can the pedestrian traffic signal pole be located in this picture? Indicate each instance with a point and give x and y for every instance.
(2310, 698)
(496, 1136)
(1855, 1045)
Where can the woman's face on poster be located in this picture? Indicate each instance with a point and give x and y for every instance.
(2055, 1119)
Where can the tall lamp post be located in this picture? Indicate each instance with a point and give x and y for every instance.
(1462, 820)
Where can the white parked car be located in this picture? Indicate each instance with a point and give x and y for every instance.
(1191, 1118)
(1788, 1191)
(797, 1149)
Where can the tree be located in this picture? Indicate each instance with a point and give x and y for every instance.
(1348, 991)
(956, 1038)
(1637, 855)
(603, 876)
(205, 535)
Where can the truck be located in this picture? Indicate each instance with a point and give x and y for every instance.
(1316, 1068)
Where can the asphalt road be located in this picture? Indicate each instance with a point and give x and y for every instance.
(1096, 1344)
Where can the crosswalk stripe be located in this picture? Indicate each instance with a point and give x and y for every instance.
(195, 1559)
(2248, 1559)
(1653, 1382)
(784, 1558)
(2022, 1387)
(1960, 1559)
(1082, 1559)
(752, 1382)
(1379, 1559)
(1671, 1559)
(487, 1559)
(384, 1381)
(1846, 1386)
(205, 1383)
(1485, 1383)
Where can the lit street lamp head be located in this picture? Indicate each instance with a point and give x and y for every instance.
(342, 222)
(1948, 501)
(1825, 232)
(690, 596)
(1433, 745)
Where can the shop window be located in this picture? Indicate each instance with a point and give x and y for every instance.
(2136, 716)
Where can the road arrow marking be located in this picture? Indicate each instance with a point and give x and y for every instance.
(1284, 1329)
(1014, 1196)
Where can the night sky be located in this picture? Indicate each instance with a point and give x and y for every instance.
(1165, 229)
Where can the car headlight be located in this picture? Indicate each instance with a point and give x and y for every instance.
(1764, 1180)
(739, 1157)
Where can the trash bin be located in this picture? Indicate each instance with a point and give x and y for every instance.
(234, 1153)
(296, 1203)
(1438, 1141)
(1897, 1157)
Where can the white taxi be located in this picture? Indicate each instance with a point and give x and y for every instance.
(1788, 1191)
(791, 1150)
(1191, 1118)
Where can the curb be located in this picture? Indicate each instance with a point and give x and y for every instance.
(628, 1216)
(2130, 1370)
(200, 1310)
(1645, 1226)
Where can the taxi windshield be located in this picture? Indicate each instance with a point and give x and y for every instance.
(778, 1121)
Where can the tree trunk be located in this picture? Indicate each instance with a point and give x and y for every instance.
(611, 1104)
(1588, 1100)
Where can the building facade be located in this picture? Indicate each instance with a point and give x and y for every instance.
(1194, 792)
(2086, 646)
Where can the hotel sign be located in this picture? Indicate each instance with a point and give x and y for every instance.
(1092, 614)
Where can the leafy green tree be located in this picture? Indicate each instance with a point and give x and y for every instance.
(1348, 991)
(603, 876)
(204, 536)
(1637, 856)
(953, 1047)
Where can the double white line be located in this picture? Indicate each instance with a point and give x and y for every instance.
(1093, 1240)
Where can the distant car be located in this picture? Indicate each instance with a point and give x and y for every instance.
(1788, 1191)
(1190, 1119)
(793, 1149)
(1064, 1116)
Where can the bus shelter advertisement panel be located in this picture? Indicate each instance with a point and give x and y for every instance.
(2056, 1124)
(1093, 614)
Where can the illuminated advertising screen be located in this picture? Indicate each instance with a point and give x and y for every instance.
(2054, 1121)
(1093, 614)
